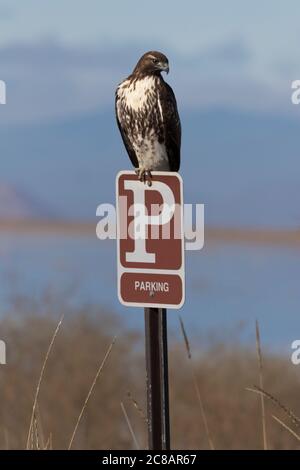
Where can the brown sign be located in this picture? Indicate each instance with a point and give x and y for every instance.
(150, 240)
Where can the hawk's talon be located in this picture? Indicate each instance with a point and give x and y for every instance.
(144, 176)
(149, 177)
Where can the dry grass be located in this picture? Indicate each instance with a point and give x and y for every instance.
(261, 383)
(224, 372)
(138, 408)
(91, 391)
(285, 426)
(37, 391)
(295, 420)
(132, 433)
(196, 386)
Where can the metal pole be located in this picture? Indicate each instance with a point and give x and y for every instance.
(157, 378)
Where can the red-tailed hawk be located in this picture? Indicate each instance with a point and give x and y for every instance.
(148, 119)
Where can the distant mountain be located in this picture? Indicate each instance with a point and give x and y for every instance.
(245, 168)
(17, 204)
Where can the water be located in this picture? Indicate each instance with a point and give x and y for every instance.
(227, 288)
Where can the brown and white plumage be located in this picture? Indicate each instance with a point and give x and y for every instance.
(147, 117)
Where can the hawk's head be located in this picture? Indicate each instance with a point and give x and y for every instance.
(152, 63)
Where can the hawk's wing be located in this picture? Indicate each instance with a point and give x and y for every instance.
(126, 141)
(172, 126)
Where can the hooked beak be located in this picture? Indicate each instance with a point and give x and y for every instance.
(165, 67)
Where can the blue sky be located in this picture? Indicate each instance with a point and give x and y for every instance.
(65, 57)
(267, 26)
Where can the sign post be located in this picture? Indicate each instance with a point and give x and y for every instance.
(157, 379)
(151, 275)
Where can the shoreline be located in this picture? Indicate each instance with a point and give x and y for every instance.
(257, 236)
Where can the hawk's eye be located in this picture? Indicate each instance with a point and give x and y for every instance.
(155, 61)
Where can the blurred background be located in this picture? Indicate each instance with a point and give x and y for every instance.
(231, 67)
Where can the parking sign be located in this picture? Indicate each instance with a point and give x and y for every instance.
(150, 240)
